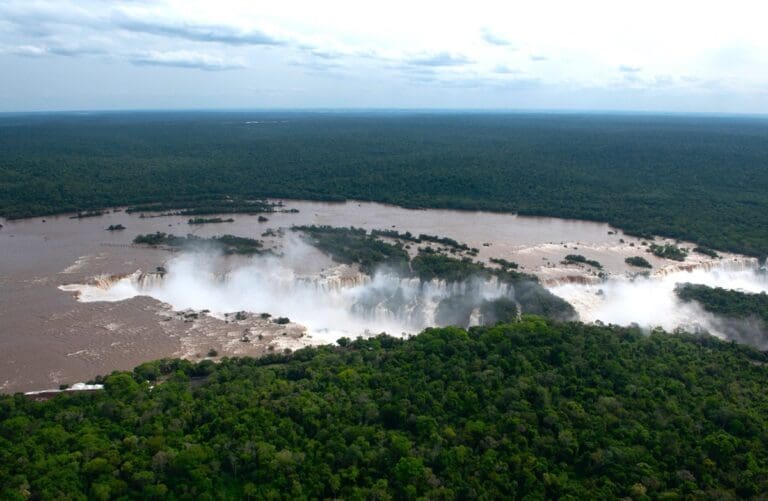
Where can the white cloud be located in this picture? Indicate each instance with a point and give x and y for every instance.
(584, 44)
(503, 68)
(27, 51)
(493, 38)
(185, 59)
(198, 32)
(438, 59)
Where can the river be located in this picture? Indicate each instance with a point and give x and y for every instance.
(47, 337)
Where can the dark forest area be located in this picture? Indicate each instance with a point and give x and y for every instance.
(697, 178)
(527, 410)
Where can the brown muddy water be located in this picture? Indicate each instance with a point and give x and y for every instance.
(48, 337)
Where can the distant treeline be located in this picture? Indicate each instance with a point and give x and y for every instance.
(207, 205)
(703, 179)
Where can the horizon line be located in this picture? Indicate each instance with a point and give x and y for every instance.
(343, 110)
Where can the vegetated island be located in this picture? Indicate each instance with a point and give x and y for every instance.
(549, 410)
(115, 227)
(726, 302)
(579, 166)
(356, 246)
(209, 220)
(579, 259)
(706, 251)
(668, 251)
(742, 316)
(638, 261)
(228, 244)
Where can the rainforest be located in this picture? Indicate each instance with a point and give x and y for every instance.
(697, 178)
(383, 305)
(530, 409)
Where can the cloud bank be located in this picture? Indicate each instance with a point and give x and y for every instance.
(91, 48)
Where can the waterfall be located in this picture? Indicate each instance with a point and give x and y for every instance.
(340, 298)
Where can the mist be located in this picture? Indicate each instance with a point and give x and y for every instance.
(651, 302)
(330, 302)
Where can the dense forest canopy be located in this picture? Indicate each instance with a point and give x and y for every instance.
(532, 408)
(726, 302)
(692, 177)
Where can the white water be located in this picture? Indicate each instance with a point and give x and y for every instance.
(74, 387)
(651, 302)
(343, 302)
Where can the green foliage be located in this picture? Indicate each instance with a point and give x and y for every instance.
(638, 261)
(431, 265)
(668, 251)
(579, 259)
(238, 245)
(208, 205)
(522, 410)
(160, 238)
(726, 302)
(706, 251)
(448, 242)
(115, 227)
(229, 244)
(504, 264)
(428, 265)
(354, 245)
(210, 220)
(694, 178)
(499, 310)
(407, 236)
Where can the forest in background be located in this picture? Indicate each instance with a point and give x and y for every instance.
(697, 178)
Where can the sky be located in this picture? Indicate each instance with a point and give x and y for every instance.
(676, 56)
